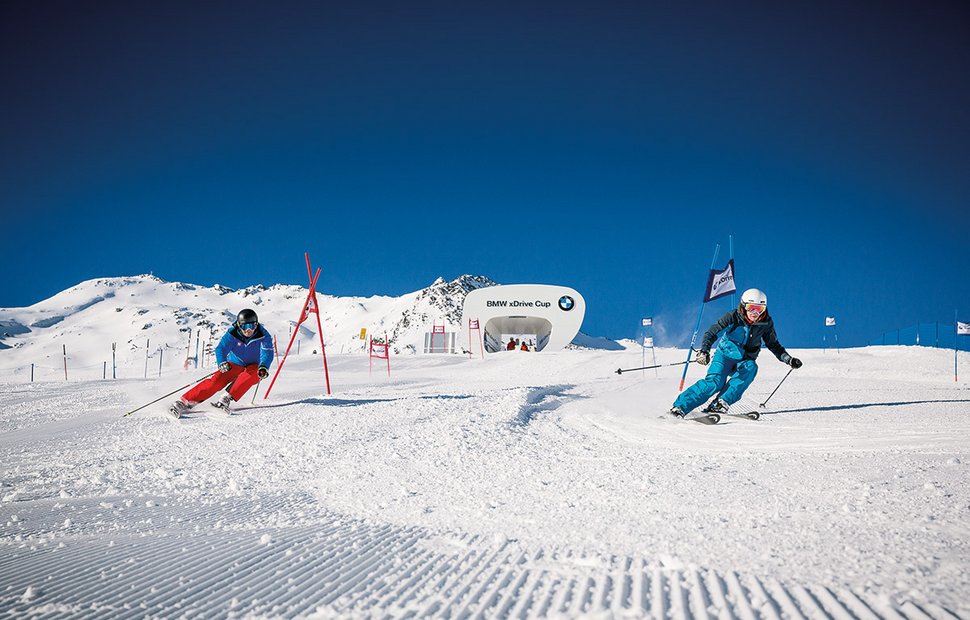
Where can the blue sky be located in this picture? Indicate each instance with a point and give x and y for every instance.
(606, 146)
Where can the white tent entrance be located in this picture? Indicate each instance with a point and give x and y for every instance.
(534, 331)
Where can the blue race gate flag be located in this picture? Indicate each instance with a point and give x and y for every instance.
(720, 283)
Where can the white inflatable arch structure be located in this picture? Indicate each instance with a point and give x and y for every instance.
(546, 317)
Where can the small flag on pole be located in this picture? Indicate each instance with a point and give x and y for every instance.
(310, 308)
(720, 283)
(963, 329)
(648, 342)
(830, 321)
(647, 322)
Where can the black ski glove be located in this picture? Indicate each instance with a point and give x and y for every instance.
(263, 372)
(795, 362)
(703, 358)
(224, 367)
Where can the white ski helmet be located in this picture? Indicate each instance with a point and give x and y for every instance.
(754, 296)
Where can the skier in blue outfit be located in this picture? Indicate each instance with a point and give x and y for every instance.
(244, 356)
(733, 368)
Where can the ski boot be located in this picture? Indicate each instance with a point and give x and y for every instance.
(180, 407)
(717, 406)
(706, 418)
(224, 403)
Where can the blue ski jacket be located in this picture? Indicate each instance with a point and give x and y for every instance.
(242, 351)
(742, 340)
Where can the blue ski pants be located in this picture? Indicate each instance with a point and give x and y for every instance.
(741, 374)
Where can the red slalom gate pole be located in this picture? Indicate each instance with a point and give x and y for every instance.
(316, 306)
(306, 303)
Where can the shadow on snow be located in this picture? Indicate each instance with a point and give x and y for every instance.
(864, 405)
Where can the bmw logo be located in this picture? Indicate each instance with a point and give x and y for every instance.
(566, 303)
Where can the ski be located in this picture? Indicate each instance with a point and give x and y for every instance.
(750, 415)
(706, 418)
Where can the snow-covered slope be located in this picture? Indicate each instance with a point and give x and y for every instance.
(522, 485)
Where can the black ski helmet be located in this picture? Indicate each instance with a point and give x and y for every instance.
(246, 316)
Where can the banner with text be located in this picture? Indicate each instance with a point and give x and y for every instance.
(720, 283)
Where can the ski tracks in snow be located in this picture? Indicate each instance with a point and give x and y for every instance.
(353, 568)
(541, 400)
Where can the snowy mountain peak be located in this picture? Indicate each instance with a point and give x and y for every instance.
(124, 280)
(145, 311)
(458, 288)
(439, 304)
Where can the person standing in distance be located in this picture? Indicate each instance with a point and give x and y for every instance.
(742, 332)
(244, 355)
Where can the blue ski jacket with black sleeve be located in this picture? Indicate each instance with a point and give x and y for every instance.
(237, 349)
(742, 340)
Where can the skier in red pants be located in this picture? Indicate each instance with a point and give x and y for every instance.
(244, 356)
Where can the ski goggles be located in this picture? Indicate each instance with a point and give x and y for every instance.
(251, 325)
(758, 309)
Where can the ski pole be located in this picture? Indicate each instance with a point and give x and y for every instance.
(776, 389)
(620, 371)
(169, 394)
(256, 391)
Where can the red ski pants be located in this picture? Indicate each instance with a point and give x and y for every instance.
(241, 377)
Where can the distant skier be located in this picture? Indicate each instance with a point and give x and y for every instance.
(741, 333)
(244, 355)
